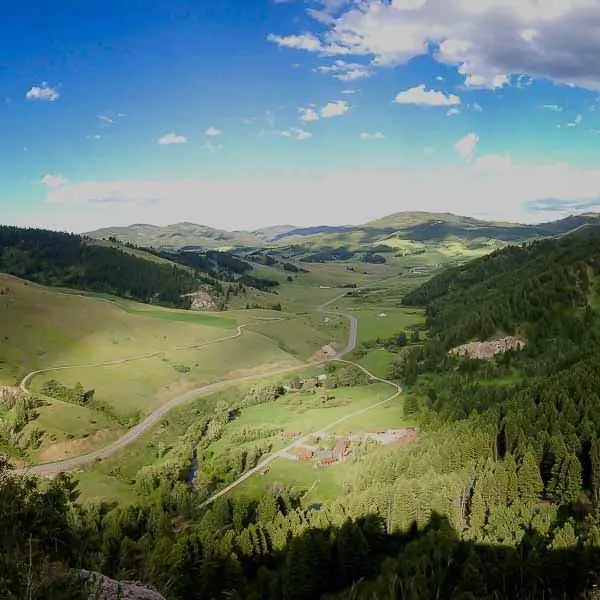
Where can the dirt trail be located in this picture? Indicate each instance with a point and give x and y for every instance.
(135, 432)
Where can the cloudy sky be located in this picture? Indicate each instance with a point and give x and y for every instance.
(239, 114)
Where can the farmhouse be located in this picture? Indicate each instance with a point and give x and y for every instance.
(341, 449)
(305, 454)
(325, 458)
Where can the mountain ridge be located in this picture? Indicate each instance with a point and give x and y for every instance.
(411, 226)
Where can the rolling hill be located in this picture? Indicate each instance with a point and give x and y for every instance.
(406, 232)
(180, 235)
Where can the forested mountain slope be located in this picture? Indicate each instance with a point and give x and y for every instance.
(61, 259)
(543, 288)
(159, 277)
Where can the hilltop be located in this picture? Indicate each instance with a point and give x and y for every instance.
(405, 232)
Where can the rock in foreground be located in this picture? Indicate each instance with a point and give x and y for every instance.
(101, 587)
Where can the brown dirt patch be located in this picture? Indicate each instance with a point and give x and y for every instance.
(76, 447)
(327, 351)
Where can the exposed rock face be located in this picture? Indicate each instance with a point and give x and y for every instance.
(201, 299)
(101, 587)
(489, 348)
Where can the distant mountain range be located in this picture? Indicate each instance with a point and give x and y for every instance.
(394, 230)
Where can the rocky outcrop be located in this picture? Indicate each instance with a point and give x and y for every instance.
(101, 587)
(200, 300)
(489, 348)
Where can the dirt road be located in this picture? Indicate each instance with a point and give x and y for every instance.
(135, 432)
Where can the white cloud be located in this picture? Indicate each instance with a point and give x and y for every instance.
(53, 181)
(424, 97)
(467, 146)
(42, 92)
(106, 119)
(576, 122)
(486, 40)
(299, 134)
(453, 111)
(335, 109)
(491, 186)
(306, 41)
(172, 138)
(303, 135)
(439, 78)
(212, 131)
(345, 71)
(372, 136)
(476, 107)
(308, 114)
(348, 91)
(552, 107)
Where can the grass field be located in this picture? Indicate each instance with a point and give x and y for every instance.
(371, 325)
(71, 430)
(42, 328)
(146, 384)
(378, 361)
(315, 485)
(299, 413)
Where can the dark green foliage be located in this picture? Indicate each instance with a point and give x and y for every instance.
(60, 259)
(542, 287)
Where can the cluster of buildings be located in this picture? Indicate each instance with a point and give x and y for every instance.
(325, 457)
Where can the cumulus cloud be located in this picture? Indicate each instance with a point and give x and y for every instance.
(335, 109)
(476, 107)
(453, 111)
(552, 107)
(212, 131)
(53, 181)
(172, 138)
(372, 136)
(486, 40)
(308, 114)
(42, 92)
(467, 146)
(490, 186)
(345, 71)
(424, 97)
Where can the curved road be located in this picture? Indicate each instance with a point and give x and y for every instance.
(154, 417)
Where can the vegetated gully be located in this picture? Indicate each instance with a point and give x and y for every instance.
(135, 432)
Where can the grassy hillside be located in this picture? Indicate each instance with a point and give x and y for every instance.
(178, 235)
(42, 327)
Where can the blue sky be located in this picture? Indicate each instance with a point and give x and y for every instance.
(242, 114)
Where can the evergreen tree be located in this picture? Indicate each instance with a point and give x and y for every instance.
(530, 481)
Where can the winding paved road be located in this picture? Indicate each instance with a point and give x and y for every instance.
(135, 432)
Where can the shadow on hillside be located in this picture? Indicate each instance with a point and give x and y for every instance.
(359, 561)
